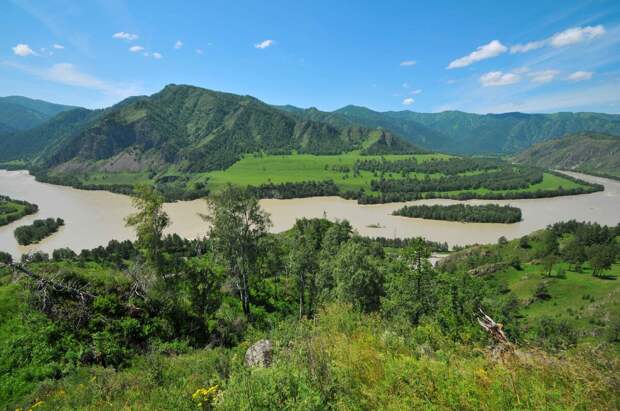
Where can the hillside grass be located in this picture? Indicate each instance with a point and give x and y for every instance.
(589, 304)
(350, 361)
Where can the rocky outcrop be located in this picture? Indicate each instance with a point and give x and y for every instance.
(259, 354)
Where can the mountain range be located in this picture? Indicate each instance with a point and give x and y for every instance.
(467, 133)
(201, 130)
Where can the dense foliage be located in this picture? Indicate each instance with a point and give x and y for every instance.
(127, 324)
(488, 213)
(11, 210)
(38, 230)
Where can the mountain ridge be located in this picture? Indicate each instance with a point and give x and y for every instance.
(195, 129)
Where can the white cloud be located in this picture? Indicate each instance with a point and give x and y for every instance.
(264, 44)
(524, 48)
(487, 51)
(136, 49)
(498, 78)
(592, 98)
(414, 92)
(580, 76)
(408, 63)
(576, 35)
(178, 44)
(157, 56)
(58, 46)
(70, 75)
(22, 50)
(521, 70)
(406, 85)
(121, 35)
(544, 76)
(408, 101)
(199, 51)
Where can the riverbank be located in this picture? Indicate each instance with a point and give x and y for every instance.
(92, 218)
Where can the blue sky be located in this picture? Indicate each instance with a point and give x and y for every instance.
(477, 56)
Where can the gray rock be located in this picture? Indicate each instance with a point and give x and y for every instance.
(259, 354)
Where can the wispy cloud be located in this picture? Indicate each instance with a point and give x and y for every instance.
(524, 48)
(264, 44)
(68, 74)
(200, 51)
(178, 44)
(408, 63)
(121, 35)
(136, 49)
(580, 75)
(583, 99)
(415, 92)
(58, 46)
(498, 78)
(564, 38)
(545, 76)
(487, 51)
(157, 55)
(408, 101)
(22, 50)
(576, 35)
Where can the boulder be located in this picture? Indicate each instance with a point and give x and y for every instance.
(259, 354)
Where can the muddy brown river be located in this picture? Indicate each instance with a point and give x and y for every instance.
(93, 218)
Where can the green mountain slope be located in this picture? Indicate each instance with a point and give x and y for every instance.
(22, 113)
(594, 153)
(27, 144)
(511, 132)
(201, 130)
(467, 133)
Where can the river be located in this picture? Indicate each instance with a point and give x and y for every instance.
(92, 218)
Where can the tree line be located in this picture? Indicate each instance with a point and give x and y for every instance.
(488, 213)
(451, 166)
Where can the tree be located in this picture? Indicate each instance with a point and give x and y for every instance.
(601, 257)
(149, 223)
(357, 274)
(574, 253)
(237, 225)
(548, 263)
(409, 284)
(550, 243)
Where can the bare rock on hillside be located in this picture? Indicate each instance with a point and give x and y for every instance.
(259, 354)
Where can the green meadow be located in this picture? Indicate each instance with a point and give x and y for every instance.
(257, 169)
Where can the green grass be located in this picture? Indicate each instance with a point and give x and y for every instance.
(262, 169)
(579, 298)
(346, 360)
(257, 170)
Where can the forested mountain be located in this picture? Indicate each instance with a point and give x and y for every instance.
(467, 133)
(197, 130)
(22, 113)
(595, 153)
(27, 144)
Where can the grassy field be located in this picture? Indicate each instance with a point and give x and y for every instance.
(578, 297)
(261, 169)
